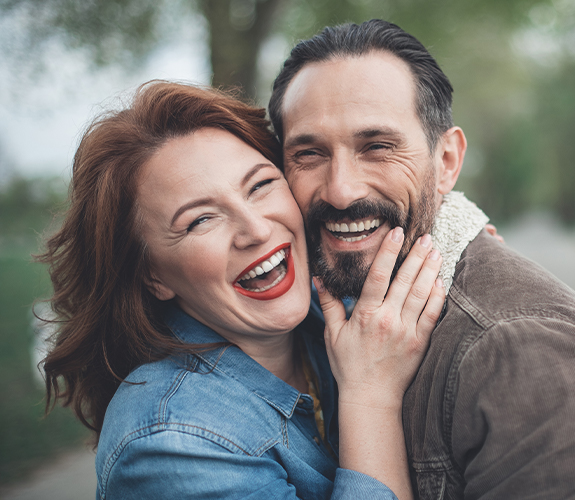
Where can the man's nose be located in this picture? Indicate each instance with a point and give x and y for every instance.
(252, 228)
(344, 183)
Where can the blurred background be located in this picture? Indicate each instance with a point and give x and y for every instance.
(512, 64)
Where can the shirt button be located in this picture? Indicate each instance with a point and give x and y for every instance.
(301, 401)
(316, 439)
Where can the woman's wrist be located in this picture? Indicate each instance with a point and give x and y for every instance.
(371, 397)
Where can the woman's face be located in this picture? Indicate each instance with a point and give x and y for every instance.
(216, 213)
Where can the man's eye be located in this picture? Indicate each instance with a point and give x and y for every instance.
(197, 222)
(377, 146)
(306, 152)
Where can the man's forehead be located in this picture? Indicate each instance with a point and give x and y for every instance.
(374, 81)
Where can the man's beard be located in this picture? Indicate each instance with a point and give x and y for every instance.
(346, 276)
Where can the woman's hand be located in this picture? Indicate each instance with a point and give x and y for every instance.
(375, 355)
(377, 351)
(492, 230)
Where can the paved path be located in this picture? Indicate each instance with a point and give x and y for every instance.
(541, 238)
(69, 477)
(72, 477)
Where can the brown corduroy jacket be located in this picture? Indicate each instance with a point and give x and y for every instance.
(491, 412)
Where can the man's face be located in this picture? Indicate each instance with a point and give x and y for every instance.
(358, 163)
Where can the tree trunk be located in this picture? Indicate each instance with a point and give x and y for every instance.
(237, 30)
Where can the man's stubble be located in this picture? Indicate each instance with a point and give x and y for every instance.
(346, 276)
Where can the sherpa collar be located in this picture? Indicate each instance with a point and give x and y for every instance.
(457, 222)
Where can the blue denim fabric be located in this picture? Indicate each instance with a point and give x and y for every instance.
(219, 425)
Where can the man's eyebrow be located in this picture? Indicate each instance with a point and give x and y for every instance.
(209, 200)
(370, 133)
(299, 140)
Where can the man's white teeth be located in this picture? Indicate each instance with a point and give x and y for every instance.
(352, 239)
(352, 227)
(266, 266)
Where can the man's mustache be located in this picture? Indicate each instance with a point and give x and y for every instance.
(321, 212)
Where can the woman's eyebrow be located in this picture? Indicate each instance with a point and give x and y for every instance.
(209, 200)
(190, 205)
(253, 171)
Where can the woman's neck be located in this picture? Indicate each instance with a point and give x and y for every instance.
(281, 356)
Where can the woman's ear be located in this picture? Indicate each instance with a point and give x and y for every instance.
(452, 152)
(158, 289)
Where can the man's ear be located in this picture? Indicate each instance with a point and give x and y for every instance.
(158, 289)
(451, 152)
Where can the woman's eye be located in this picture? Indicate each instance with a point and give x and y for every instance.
(197, 222)
(261, 184)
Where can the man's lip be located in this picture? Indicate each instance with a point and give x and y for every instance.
(261, 259)
(342, 245)
(282, 287)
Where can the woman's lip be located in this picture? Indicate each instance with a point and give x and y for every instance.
(277, 291)
(260, 260)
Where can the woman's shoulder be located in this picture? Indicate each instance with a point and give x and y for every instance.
(187, 397)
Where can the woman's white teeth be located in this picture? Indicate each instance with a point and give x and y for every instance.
(266, 266)
(271, 285)
(352, 227)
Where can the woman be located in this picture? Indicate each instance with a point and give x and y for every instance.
(180, 277)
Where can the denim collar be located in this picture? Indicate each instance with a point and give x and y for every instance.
(234, 362)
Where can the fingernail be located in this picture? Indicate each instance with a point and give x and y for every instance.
(318, 284)
(397, 234)
(425, 241)
(439, 283)
(434, 255)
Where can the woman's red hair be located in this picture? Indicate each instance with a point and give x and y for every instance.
(108, 321)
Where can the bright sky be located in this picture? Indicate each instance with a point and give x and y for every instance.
(41, 121)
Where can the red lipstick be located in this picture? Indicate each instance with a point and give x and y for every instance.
(278, 290)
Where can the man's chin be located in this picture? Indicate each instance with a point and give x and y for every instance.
(344, 276)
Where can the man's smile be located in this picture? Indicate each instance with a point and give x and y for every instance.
(351, 231)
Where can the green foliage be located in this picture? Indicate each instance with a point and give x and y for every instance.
(555, 116)
(28, 207)
(111, 31)
(26, 437)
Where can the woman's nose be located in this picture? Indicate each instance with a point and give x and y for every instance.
(253, 228)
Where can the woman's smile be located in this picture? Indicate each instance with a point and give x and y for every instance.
(269, 277)
(234, 259)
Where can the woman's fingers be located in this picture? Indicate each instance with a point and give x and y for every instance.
(422, 287)
(430, 316)
(492, 230)
(407, 274)
(377, 282)
(333, 311)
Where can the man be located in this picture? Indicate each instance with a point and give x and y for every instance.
(364, 115)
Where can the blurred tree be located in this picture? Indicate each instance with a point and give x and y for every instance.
(237, 30)
(490, 49)
(124, 31)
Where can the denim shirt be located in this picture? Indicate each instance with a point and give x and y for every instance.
(219, 425)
